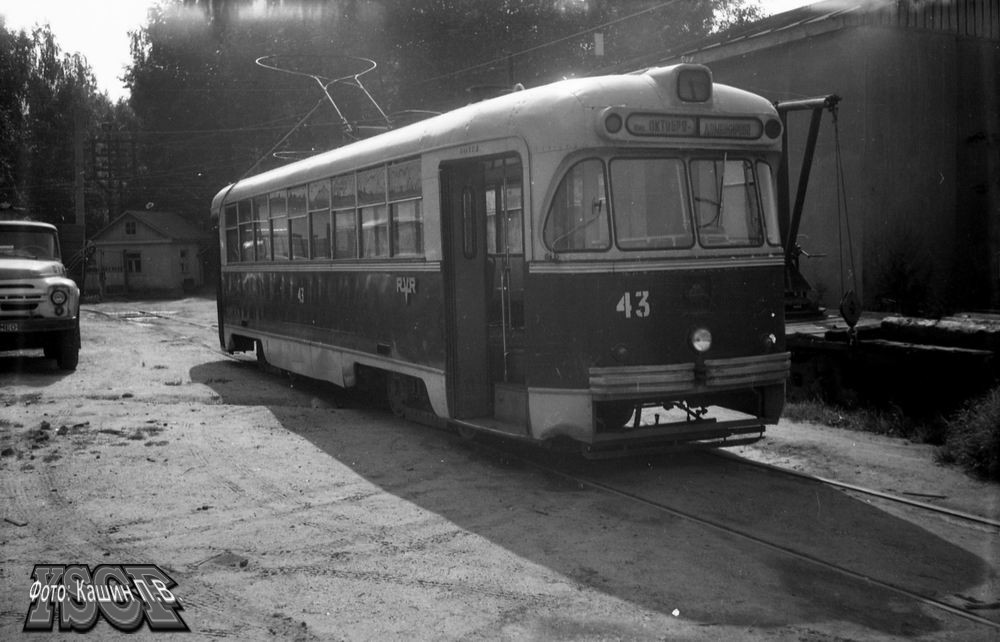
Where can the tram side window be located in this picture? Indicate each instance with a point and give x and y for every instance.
(262, 228)
(504, 210)
(769, 203)
(407, 229)
(232, 234)
(651, 204)
(245, 213)
(578, 216)
(406, 216)
(504, 219)
(726, 204)
(511, 223)
(278, 209)
(345, 218)
(374, 213)
(492, 195)
(374, 231)
(319, 219)
(298, 222)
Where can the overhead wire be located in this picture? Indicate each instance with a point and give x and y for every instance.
(308, 114)
(545, 45)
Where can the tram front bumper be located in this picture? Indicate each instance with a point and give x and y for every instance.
(650, 382)
(753, 387)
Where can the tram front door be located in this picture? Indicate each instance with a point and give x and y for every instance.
(470, 391)
(484, 281)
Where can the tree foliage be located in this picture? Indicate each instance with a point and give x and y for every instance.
(45, 95)
(207, 113)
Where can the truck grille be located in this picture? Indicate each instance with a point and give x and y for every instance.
(19, 297)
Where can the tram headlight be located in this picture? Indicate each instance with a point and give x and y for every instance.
(772, 128)
(701, 339)
(613, 123)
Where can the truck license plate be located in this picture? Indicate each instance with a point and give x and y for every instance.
(12, 326)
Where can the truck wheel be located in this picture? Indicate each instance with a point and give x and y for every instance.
(67, 349)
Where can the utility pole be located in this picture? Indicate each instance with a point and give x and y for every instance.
(114, 163)
(72, 236)
(79, 169)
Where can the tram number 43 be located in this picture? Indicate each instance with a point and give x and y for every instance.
(634, 304)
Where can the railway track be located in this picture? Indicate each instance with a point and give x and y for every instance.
(931, 508)
(966, 613)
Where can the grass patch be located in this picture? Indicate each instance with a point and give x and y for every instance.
(969, 438)
(891, 421)
(973, 437)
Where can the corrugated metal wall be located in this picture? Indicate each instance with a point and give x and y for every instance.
(973, 18)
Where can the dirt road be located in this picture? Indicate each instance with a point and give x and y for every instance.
(285, 508)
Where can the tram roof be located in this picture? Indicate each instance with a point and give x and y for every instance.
(560, 111)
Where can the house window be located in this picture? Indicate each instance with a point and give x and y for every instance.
(130, 227)
(184, 261)
(133, 262)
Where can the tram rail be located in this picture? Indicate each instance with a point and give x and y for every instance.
(942, 510)
(964, 612)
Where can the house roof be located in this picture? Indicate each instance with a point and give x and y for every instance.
(169, 224)
(971, 18)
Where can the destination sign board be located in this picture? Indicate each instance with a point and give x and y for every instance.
(661, 125)
(666, 126)
(730, 127)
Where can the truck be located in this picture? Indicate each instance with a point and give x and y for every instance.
(39, 304)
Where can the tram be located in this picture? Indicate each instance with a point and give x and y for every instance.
(594, 262)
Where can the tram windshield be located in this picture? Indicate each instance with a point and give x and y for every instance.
(664, 203)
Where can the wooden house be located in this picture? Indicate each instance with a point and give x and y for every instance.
(148, 252)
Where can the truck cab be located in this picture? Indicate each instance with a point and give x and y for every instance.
(39, 304)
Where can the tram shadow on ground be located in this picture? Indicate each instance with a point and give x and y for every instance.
(633, 551)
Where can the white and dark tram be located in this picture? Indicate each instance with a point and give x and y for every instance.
(595, 260)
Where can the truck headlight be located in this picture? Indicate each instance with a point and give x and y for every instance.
(58, 297)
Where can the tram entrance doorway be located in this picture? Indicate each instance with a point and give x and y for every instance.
(505, 269)
(484, 280)
(463, 229)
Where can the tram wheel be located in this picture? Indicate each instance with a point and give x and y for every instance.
(397, 393)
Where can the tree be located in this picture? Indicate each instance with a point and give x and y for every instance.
(208, 114)
(44, 97)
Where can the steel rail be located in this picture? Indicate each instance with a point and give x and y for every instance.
(970, 517)
(805, 557)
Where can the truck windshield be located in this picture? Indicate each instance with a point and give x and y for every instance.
(22, 243)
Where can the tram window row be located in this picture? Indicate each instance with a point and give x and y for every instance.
(371, 213)
(651, 205)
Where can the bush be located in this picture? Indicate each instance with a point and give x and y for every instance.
(973, 437)
(891, 421)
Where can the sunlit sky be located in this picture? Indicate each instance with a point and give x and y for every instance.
(98, 29)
